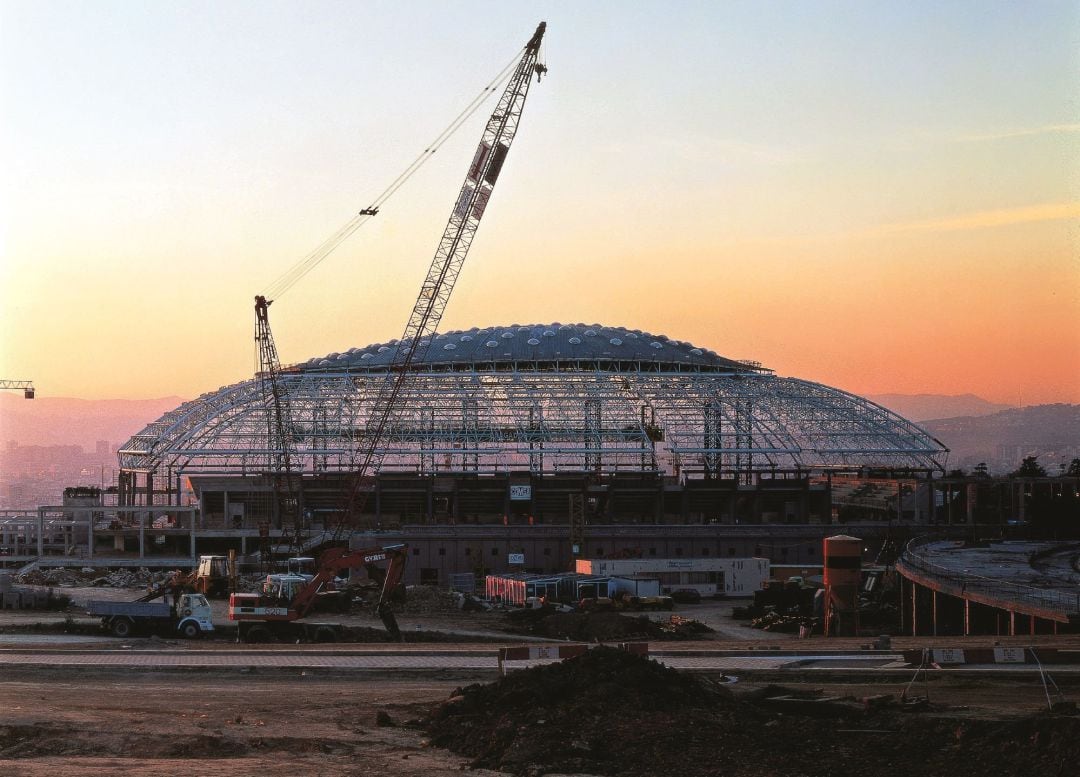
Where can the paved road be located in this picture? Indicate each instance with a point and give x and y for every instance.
(479, 660)
(403, 661)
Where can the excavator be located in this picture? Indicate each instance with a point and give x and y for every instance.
(276, 613)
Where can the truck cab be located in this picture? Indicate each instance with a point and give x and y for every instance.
(193, 609)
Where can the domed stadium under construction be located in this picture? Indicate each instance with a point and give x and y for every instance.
(499, 425)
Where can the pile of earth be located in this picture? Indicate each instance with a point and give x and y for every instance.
(602, 626)
(612, 713)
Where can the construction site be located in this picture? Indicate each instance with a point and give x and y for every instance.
(527, 549)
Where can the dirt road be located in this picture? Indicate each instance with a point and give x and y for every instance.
(105, 723)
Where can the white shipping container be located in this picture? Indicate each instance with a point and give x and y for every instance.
(707, 576)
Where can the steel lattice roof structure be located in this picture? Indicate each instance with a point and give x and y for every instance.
(556, 398)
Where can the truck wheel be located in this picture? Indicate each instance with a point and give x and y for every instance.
(121, 627)
(325, 634)
(257, 634)
(190, 630)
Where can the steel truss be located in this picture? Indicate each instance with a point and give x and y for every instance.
(692, 425)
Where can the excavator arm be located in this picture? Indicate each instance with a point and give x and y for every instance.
(334, 561)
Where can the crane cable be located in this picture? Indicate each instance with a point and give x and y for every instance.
(291, 276)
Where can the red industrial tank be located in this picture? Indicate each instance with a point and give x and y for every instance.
(843, 575)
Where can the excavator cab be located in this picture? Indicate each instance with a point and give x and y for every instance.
(302, 565)
(283, 587)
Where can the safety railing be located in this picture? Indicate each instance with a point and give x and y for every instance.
(1004, 591)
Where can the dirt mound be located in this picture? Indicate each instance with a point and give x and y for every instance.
(612, 713)
(559, 716)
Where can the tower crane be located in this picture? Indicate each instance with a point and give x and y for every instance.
(25, 386)
(445, 268)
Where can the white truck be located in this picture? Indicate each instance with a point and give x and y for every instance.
(186, 614)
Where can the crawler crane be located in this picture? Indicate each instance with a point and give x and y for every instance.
(427, 312)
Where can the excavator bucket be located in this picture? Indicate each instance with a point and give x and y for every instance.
(386, 614)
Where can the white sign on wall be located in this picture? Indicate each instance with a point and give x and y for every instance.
(515, 558)
(520, 493)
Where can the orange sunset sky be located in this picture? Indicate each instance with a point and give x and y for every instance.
(883, 197)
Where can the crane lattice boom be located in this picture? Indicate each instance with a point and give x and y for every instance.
(445, 268)
(279, 421)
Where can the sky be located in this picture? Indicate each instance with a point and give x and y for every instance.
(882, 197)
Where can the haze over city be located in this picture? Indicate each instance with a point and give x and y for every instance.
(881, 198)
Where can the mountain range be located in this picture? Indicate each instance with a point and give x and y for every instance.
(926, 407)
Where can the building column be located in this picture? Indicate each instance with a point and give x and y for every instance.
(905, 616)
(914, 610)
(40, 532)
(142, 536)
(192, 519)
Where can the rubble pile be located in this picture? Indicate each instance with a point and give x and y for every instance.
(786, 624)
(679, 627)
(612, 713)
(427, 600)
(89, 576)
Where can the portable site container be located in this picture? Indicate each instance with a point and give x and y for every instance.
(591, 587)
(569, 587)
(635, 585)
(516, 588)
(707, 576)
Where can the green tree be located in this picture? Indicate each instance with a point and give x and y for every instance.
(1030, 468)
(1074, 469)
(981, 470)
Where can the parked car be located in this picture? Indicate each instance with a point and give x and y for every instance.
(685, 596)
